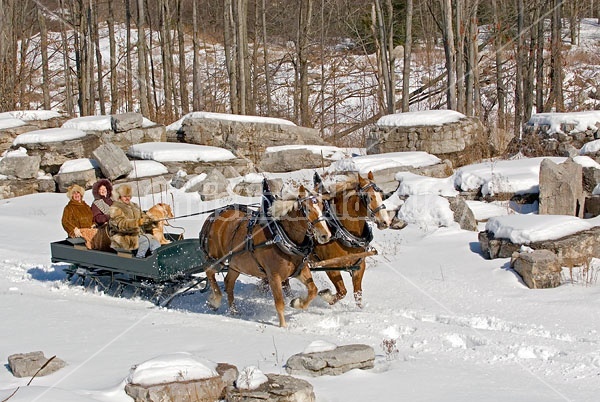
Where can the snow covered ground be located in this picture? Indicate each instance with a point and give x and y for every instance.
(464, 328)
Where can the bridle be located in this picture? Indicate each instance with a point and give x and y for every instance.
(314, 199)
(363, 194)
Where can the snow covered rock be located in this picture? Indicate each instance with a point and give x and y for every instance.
(277, 388)
(331, 362)
(20, 167)
(561, 188)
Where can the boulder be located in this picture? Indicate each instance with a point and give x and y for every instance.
(201, 390)
(333, 362)
(278, 388)
(112, 161)
(213, 187)
(255, 189)
(19, 187)
(28, 364)
(592, 206)
(540, 269)
(462, 213)
(126, 121)
(84, 178)
(591, 178)
(144, 186)
(289, 160)
(54, 154)
(561, 188)
(20, 167)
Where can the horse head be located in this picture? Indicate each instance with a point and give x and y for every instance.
(310, 205)
(372, 197)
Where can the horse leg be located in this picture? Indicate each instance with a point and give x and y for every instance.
(214, 300)
(357, 277)
(230, 279)
(340, 289)
(277, 290)
(306, 278)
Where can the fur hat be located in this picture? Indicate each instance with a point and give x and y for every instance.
(102, 182)
(124, 190)
(75, 188)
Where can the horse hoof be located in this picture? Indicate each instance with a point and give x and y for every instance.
(327, 296)
(213, 304)
(296, 303)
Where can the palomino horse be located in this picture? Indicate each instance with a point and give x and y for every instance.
(271, 244)
(352, 203)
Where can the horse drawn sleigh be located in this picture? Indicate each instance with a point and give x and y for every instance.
(315, 230)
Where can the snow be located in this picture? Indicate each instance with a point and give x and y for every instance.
(420, 118)
(457, 326)
(319, 346)
(21, 117)
(180, 366)
(581, 120)
(90, 123)
(48, 135)
(414, 184)
(146, 169)
(179, 152)
(590, 147)
(228, 117)
(78, 165)
(525, 229)
(373, 163)
(250, 378)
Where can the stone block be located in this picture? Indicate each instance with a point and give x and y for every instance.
(28, 364)
(20, 167)
(126, 121)
(201, 390)
(561, 188)
(592, 206)
(278, 388)
(540, 269)
(84, 178)
(462, 213)
(146, 185)
(112, 161)
(332, 362)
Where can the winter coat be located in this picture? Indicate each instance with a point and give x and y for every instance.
(101, 205)
(76, 215)
(124, 226)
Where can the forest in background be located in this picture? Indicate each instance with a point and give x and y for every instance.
(336, 65)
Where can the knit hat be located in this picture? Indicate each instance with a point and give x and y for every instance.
(102, 182)
(124, 190)
(75, 188)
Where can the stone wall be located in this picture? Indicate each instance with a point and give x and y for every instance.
(462, 142)
(247, 139)
(8, 135)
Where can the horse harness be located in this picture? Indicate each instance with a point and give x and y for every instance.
(274, 232)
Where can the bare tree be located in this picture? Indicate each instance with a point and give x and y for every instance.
(197, 89)
(44, 53)
(141, 52)
(407, 57)
(450, 53)
(112, 44)
(185, 102)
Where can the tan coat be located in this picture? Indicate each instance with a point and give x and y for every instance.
(124, 225)
(76, 215)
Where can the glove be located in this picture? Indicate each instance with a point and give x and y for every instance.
(77, 232)
(144, 220)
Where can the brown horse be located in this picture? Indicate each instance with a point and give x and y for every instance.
(351, 204)
(271, 244)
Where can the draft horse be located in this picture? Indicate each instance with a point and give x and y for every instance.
(348, 208)
(273, 243)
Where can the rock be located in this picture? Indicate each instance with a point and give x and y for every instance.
(126, 121)
(540, 269)
(496, 248)
(462, 213)
(333, 362)
(18, 187)
(213, 187)
(289, 160)
(84, 178)
(592, 206)
(54, 154)
(201, 390)
(112, 161)
(561, 188)
(591, 178)
(27, 364)
(278, 388)
(20, 167)
(146, 185)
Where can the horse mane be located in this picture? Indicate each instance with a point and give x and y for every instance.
(344, 186)
(281, 208)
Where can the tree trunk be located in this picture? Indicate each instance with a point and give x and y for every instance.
(114, 89)
(500, 85)
(450, 54)
(197, 89)
(303, 43)
(461, 79)
(386, 54)
(266, 57)
(44, 53)
(99, 73)
(128, 63)
(69, 102)
(407, 57)
(141, 52)
(556, 76)
(230, 54)
(185, 102)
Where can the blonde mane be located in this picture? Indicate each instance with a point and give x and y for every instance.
(281, 208)
(348, 186)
